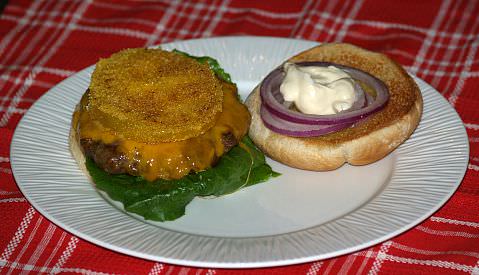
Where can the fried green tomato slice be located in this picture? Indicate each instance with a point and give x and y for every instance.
(154, 96)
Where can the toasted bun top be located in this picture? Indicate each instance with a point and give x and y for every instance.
(403, 91)
(154, 96)
(365, 142)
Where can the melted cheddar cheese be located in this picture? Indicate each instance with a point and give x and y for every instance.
(171, 160)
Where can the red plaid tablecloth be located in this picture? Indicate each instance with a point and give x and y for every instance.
(43, 42)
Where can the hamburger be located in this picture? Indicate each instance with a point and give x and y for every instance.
(368, 106)
(156, 128)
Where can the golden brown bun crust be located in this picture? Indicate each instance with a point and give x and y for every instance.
(75, 149)
(363, 144)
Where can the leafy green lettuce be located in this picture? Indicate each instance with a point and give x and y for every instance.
(163, 200)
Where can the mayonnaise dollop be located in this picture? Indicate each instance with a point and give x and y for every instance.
(318, 90)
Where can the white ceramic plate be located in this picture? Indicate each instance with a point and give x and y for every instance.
(298, 217)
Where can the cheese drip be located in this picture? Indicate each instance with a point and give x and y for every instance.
(173, 160)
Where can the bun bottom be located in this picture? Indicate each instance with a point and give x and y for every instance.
(77, 152)
(317, 155)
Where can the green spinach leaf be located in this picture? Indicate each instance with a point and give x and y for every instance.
(161, 200)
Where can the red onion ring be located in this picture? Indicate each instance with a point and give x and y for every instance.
(289, 128)
(277, 117)
(272, 99)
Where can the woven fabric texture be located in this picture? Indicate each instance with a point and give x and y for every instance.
(44, 42)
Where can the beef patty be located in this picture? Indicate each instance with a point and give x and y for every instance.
(113, 161)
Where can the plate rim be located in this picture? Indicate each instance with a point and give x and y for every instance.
(193, 263)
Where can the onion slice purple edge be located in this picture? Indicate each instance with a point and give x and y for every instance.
(297, 129)
(269, 96)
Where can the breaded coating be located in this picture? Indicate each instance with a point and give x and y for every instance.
(154, 96)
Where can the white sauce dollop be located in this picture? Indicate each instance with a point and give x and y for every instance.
(318, 90)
